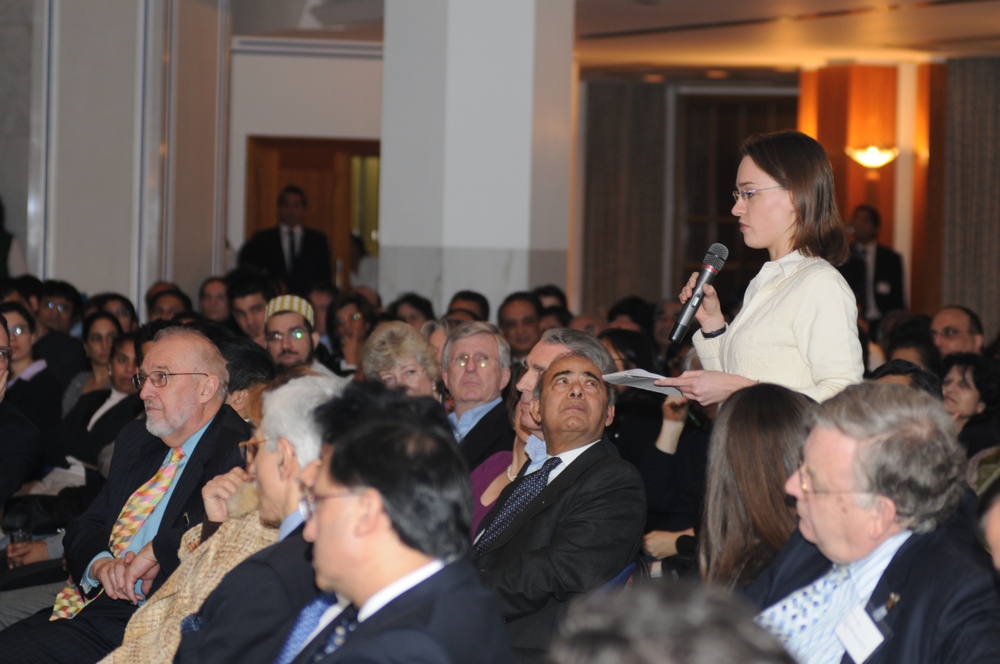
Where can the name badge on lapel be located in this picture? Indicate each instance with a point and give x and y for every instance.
(862, 631)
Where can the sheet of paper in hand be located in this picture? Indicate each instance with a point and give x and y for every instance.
(640, 378)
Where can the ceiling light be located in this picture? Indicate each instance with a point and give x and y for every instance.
(872, 156)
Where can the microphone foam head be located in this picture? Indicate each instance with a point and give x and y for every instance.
(716, 256)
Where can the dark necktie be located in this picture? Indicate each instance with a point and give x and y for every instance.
(306, 623)
(529, 488)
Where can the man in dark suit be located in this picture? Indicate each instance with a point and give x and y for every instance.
(298, 256)
(476, 369)
(189, 436)
(390, 512)
(584, 523)
(893, 572)
(874, 272)
(248, 615)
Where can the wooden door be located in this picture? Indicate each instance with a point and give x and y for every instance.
(322, 169)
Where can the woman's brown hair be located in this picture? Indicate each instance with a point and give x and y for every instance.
(755, 447)
(800, 165)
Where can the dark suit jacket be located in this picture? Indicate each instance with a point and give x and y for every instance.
(447, 619)
(491, 434)
(888, 279)
(948, 608)
(20, 449)
(580, 531)
(64, 356)
(248, 617)
(138, 455)
(263, 251)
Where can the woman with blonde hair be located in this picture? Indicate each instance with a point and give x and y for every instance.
(398, 355)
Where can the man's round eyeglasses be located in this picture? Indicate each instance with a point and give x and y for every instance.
(481, 360)
(294, 333)
(158, 378)
(748, 194)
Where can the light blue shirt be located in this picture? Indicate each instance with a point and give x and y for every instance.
(289, 524)
(537, 453)
(470, 418)
(151, 526)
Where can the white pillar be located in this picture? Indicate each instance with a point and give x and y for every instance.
(476, 146)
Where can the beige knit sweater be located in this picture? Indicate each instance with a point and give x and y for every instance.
(153, 634)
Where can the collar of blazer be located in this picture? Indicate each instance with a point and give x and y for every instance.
(566, 480)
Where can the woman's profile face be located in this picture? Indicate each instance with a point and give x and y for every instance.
(961, 397)
(767, 216)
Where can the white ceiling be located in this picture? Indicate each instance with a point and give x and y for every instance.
(647, 35)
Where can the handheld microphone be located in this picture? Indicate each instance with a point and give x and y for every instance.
(710, 266)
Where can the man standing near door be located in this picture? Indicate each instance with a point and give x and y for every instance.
(298, 256)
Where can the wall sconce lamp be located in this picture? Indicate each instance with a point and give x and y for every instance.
(872, 157)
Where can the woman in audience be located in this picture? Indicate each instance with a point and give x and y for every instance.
(100, 329)
(436, 332)
(399, 356)
(970, 388)
(798, 324)
(350, 319)
(120, 307)
(98, 416)
(493, 475)
(30, 385)
(755, 447)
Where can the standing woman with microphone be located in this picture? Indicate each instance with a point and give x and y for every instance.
(798, 325)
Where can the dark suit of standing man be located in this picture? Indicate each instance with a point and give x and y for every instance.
(917, 577)
(874, 272)
(389, 526)
(308, 259)
(191, 400)
(586, 524)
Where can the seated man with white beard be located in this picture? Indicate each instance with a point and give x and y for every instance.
(125, 545)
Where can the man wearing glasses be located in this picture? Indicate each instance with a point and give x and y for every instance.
(125, 545)
(884, 566)
(476, 369)
(291, 335)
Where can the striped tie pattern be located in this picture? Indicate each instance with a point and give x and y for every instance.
(70, 600)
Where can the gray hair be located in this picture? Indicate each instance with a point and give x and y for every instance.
(289, 413)
(391, 343)
(472, 329)
(908, 450)
(584, 345)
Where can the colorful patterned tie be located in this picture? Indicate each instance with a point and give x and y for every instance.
(529, 488)
(70, 601)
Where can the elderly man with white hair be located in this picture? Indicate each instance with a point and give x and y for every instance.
(239, 619)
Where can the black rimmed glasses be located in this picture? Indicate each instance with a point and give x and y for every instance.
(158, 378)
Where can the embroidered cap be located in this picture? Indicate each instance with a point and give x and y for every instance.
(292, 303)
